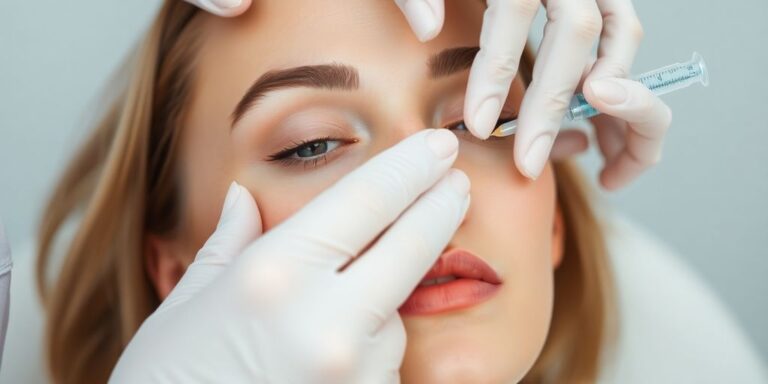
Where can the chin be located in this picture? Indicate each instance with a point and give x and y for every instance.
(460, 361)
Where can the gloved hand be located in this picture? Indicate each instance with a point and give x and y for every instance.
(630, 129)
(571, 30)
(276, 310)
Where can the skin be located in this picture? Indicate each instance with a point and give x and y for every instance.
(513, 223)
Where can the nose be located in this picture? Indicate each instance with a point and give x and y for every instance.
(409, 126)
(398, 129)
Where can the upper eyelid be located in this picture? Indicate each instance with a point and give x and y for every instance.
(306, 125)
(290, 150)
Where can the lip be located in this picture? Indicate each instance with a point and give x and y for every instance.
(475, 283)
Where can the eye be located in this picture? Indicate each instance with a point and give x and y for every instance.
(308, 153)
(458, 126)
(316, 148)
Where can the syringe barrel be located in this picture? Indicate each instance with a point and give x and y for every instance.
(660, 81)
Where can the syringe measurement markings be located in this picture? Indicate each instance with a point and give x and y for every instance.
(674, 76)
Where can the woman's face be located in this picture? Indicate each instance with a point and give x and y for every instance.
(512, 223)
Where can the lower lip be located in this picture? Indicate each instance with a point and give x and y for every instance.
(455, 294)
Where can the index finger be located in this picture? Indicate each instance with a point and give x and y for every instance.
(382, 279)
(502, 40)
(337, 224)
(622, 33)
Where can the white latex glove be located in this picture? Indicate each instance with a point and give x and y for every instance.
(226, 8)
(570, 32)
(5, 287)
(276, 310)
(630, 130)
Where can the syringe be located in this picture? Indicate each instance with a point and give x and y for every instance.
(660, 81)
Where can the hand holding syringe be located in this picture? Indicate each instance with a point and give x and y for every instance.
(660, 81)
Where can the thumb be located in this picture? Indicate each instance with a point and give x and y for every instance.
(239, 225)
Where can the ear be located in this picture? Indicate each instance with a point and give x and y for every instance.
(558, 237)
(164, 264)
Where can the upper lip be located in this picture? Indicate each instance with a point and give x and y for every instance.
(462, 264)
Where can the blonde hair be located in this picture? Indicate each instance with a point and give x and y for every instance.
(124, 184)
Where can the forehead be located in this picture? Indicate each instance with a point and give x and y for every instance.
(370, 34)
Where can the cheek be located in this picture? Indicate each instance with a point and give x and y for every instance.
(511, 219)
(510, 223)
(504, 201)
(277, 204)
(207, 165)
(279, 200)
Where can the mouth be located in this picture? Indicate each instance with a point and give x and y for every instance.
(459, 279)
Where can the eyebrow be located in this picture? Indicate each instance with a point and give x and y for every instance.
(450, 61)
(337, 76)
(327, 76)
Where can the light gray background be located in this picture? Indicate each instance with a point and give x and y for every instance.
(707, 198)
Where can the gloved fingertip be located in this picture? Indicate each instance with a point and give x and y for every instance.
(460, 181)
(232, 194)
(239, 202)
(224, 8)
(537, 155)
(610, 180)
(422, 18)
(485, 117)
(605, 181)
(240, 223)
(465, 209)
(240, 208)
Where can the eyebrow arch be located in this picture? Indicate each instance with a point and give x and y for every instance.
(451, 60)
(326, 76)
(344, 77)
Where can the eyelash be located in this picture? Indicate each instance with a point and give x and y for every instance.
(285, 155)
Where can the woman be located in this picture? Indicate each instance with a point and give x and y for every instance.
(212, 100)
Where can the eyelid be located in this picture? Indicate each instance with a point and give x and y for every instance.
(344, 122)
(310, 124)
